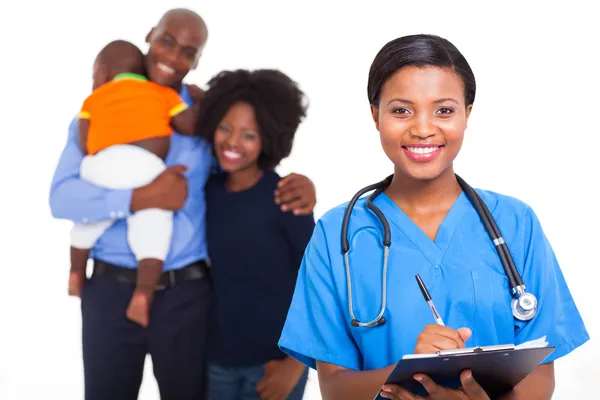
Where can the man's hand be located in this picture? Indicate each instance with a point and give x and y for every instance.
(138, 310)
(196, 93)
(281, 376)
(470, 390)
(296, 193)
(168, 191)
(76, 282)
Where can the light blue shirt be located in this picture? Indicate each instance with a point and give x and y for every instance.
(460, 268)
(74, 199)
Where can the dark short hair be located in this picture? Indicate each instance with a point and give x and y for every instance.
(421, 51)
(120, 56)
(278, 103)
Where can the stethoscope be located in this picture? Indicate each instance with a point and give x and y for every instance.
(523, 304)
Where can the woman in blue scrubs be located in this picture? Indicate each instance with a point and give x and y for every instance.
(421, 90)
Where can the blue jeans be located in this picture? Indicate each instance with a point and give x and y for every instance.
(240, 383)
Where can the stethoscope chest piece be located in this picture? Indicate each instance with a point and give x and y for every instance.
(524, 306)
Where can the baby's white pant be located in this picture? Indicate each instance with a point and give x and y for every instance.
(127, 167)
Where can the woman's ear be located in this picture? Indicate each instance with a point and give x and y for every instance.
(468, 113)
(375, 115)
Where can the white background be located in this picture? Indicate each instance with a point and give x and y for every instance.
(533, 134)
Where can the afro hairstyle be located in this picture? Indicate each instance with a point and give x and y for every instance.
(279, 108)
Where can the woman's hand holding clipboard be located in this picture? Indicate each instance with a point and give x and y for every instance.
(441, 352)
(432, 339)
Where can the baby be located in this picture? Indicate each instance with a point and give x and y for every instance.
(124, 132)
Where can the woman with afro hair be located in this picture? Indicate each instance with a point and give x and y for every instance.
(251, 118)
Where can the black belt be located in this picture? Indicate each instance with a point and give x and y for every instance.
(168, 279)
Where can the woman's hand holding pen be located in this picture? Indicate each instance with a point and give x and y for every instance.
(432, 339)
(438, 337)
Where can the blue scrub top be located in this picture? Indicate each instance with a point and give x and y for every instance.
(461, 269)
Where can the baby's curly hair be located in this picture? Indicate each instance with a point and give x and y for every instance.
(279, 107)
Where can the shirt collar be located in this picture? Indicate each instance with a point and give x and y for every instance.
(184, 93)
(129, 75)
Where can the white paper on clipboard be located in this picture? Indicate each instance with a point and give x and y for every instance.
(536, 343)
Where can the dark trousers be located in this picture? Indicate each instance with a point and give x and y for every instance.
(114, 349)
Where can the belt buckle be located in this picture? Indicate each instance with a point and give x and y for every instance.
(171, 278)
(170, 281)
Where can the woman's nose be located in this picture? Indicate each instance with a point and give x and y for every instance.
(233, 140)
(424, 127)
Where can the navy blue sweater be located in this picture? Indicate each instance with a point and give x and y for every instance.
(255, 251)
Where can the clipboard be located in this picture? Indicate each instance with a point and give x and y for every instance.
(498, 369)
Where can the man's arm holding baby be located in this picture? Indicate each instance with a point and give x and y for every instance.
(77, 200)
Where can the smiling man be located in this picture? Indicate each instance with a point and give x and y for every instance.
(114, 349)
(176, 44)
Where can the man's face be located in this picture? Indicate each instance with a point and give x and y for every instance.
(175, 46)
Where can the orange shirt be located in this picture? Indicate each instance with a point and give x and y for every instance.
(128, 109)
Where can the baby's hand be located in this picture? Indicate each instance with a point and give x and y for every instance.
(76, 281)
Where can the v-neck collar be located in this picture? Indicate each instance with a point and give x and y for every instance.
(433, 251)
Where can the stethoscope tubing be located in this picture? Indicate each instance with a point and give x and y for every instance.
(512, 274)
(514, 278)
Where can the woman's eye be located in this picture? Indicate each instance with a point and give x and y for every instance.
(445, 110)
(400, 111)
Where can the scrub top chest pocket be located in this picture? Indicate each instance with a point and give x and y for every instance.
(493, 321)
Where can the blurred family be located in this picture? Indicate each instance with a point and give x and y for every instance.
(196, 241)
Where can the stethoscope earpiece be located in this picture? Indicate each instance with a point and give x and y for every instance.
(523, 304)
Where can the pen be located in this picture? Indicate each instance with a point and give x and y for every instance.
(429, 301)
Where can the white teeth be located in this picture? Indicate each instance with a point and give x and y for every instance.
(231, 154)
(165, 68)
(422, 150)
